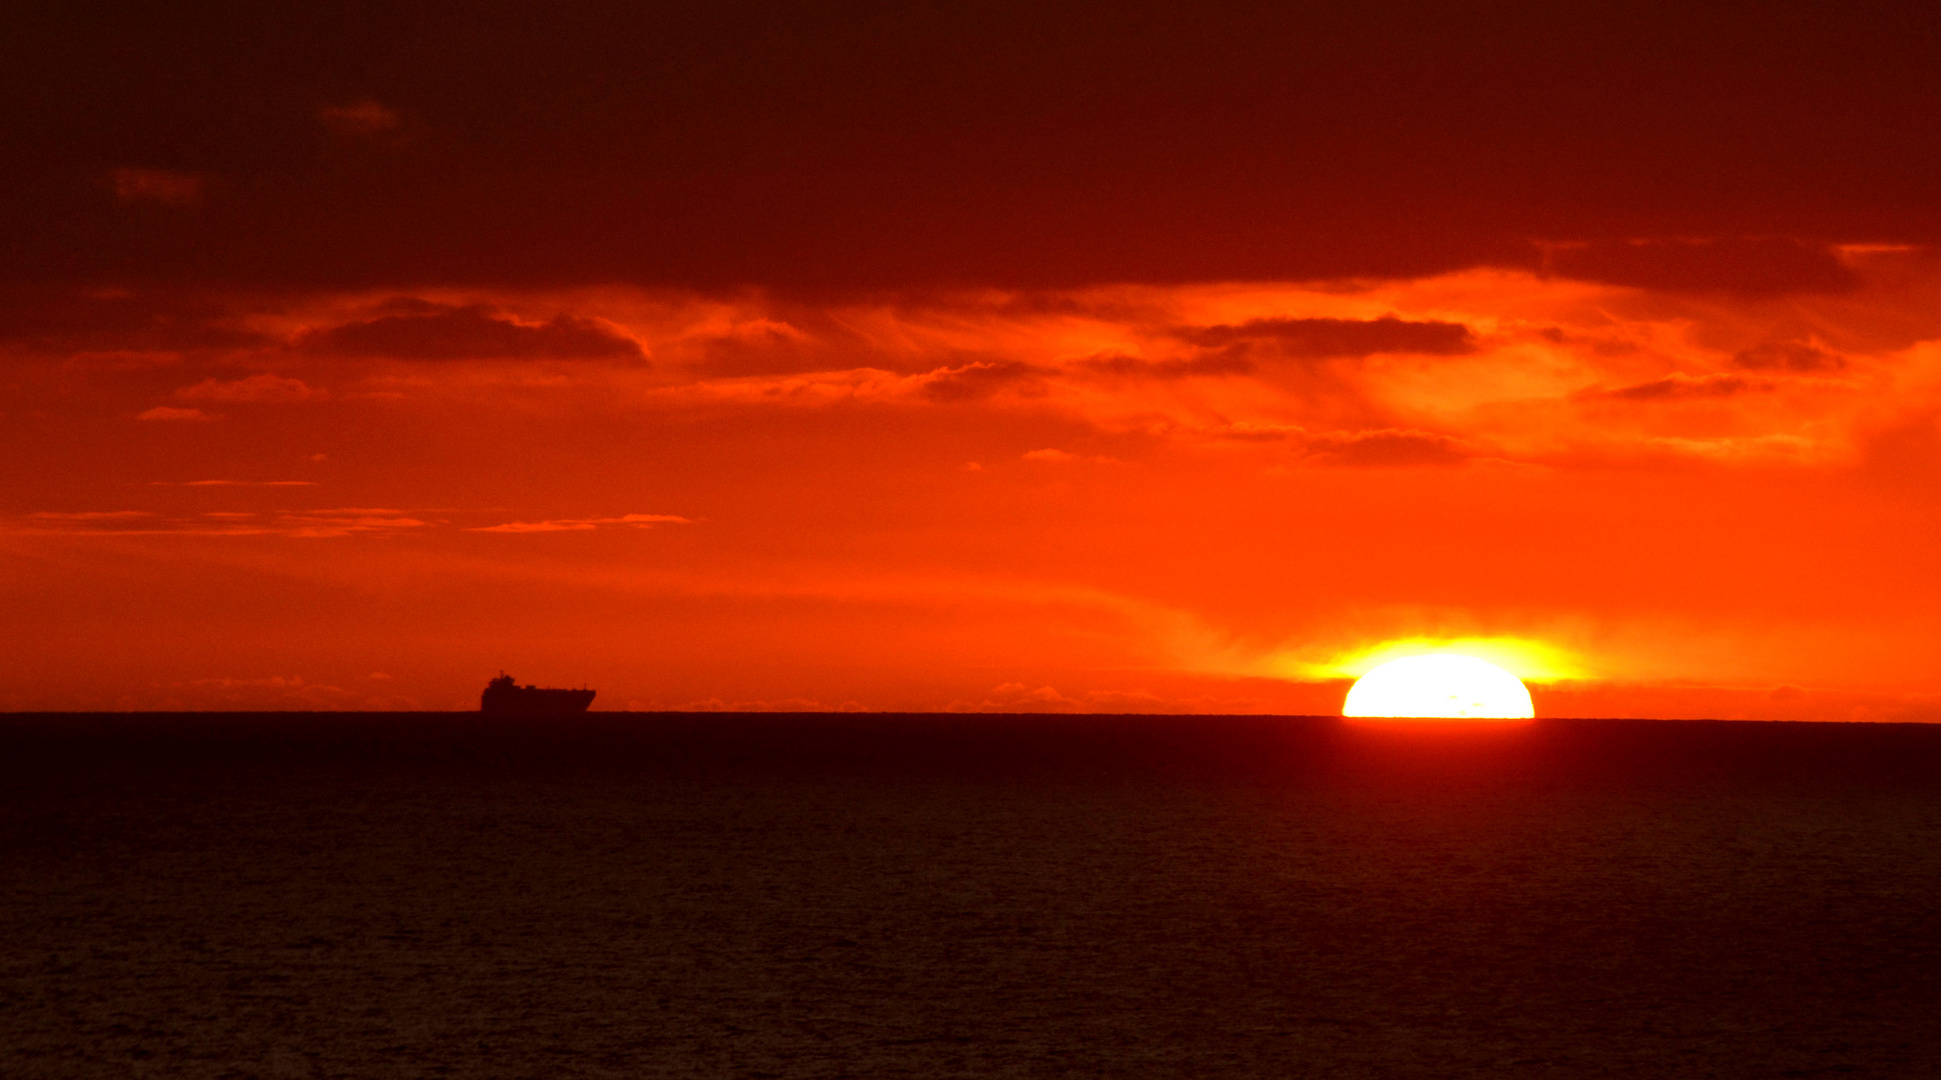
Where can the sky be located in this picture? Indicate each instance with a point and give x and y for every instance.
(945, 357)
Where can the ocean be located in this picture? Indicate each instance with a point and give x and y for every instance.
(809, 895)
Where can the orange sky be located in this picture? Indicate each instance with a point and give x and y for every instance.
(1190, 497)
(1077, 356)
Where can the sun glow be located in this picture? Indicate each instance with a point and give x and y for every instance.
(1442, 685)
(1529, 658)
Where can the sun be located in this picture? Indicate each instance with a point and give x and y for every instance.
(1440, 685)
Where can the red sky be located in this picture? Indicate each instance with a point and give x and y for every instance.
(1072, 358)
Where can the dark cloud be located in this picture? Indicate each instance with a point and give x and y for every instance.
(1323, 338)
(413, 329)
(1232, 360)
(1682, 388)
(981, 380)
(1388, 447)
(1761, 266)
(1787, 356)
(1008, 143)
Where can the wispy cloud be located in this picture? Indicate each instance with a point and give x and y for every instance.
(253, 389)
(171, 413)
(169, 186)
(232, 483)
(360, 119)
(305, 524)
(91, 515)
(1054, 456)
(638, 521)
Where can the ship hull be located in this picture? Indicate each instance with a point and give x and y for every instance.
(532, 701)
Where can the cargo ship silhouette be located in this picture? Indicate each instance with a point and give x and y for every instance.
(505, 697)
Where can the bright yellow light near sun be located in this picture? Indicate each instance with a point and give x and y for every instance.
(1442, 685)
(1523, 657)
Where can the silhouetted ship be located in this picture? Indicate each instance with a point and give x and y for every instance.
(504, 697)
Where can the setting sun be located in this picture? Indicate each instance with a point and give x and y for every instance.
(1440, 685)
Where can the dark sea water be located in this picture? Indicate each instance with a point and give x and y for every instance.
(823, 896)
